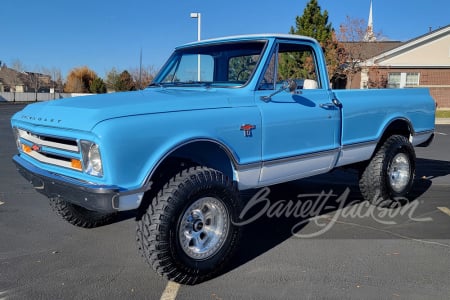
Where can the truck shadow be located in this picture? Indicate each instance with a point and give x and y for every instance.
(330, 192)
(430, 168)
(284, 211)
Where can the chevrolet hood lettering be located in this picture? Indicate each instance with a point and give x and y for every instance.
(40, 119)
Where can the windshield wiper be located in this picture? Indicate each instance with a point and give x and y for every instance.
(181, 83)
(206, 84)
(155, 84)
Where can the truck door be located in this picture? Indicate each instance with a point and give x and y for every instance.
(301, 126)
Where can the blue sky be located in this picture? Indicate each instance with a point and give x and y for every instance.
(102, 34)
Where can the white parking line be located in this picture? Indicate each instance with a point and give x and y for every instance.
(445, 210)
(440, 133)
(1, 203)
(171, 291)
(3, 293)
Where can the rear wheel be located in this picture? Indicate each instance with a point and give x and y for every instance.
(389, 176)
(187, 234)
(80, 216)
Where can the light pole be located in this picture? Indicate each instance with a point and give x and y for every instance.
(198, 16)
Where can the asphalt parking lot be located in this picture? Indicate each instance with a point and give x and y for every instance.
(345, 251)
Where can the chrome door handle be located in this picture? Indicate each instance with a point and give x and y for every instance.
(328, 105)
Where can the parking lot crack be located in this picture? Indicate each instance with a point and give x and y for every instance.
(422, 241)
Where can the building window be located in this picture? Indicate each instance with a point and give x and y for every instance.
(394, 80)
(402, 80)
(412, 79)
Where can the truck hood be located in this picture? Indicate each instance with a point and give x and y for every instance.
(83, 113)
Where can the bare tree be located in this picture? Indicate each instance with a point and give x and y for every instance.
(17, 65)
(350, 35)
(353, 50)
(34, 82)
(55, 80)
(143, 77)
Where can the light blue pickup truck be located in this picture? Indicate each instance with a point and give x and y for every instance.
(222, 115)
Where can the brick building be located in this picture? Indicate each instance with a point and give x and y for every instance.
(420, 62)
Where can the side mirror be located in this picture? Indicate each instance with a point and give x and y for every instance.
(288, 85)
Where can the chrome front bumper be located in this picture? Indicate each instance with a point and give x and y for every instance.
(94, 197)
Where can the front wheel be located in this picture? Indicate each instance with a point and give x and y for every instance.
(389, 175)
(187, 234)
(80, 216)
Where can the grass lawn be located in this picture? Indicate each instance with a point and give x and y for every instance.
(443, 114)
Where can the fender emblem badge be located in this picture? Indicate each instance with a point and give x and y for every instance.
(247, 128)
(36, 148)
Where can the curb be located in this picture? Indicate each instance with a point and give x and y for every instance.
(442, 121)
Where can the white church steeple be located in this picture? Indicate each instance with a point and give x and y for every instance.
(370, 36)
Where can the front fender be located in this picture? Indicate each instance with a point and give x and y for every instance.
(132, 147)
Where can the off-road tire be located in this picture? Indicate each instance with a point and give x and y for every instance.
(80, 216)
(194, 201)
(381, 183)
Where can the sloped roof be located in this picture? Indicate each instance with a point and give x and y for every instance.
(413, 45)
(366, 50)
(10, 77)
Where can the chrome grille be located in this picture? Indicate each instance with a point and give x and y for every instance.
(50, 149)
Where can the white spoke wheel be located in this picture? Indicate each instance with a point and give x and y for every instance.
(388, 177)
(187, 234)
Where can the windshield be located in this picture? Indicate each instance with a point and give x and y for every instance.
(221, 65)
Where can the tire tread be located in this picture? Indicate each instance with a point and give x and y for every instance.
(153, 228)
(372, 182)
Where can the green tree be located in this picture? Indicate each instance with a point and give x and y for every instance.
(241, 67)
(120, 82)
(97, 86)
(112, 79)
(314, 23)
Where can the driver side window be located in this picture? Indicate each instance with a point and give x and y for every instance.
(291, 61)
